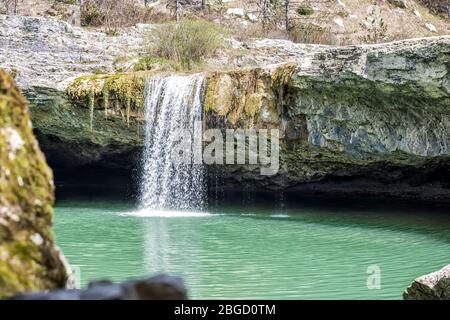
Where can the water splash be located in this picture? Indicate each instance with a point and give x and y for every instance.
(171, 103)
(166, 214)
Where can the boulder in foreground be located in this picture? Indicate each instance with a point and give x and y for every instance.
(160, 287)
(29, 260)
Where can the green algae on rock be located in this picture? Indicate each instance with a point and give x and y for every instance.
(126, 88)
(29, 259)
(247, 98)
(64, 131)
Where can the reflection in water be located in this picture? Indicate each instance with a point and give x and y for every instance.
(156, 248)
(171, 246)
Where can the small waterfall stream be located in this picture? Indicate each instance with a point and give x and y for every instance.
(171, 103)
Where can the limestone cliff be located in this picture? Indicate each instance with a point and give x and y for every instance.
(29, 259)
(355, 121)
(369, 120)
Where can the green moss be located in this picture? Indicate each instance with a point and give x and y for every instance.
(124, 91)
(105, 95)
(71, 122)
(91, 100)
(26, 198)
(241, 96)
(359, 91)
(127, 87)
(238, 94)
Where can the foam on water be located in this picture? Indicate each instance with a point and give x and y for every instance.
(279, 215)
(148, 213)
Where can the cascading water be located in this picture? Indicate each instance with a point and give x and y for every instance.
(171, 103)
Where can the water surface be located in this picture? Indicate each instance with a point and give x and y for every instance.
(265, 252)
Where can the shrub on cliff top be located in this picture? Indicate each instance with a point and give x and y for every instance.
(187, 42)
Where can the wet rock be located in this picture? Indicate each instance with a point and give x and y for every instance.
(433, 286)
(160, 287)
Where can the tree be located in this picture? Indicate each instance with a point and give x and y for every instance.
(177, 9)
(264, 9)
(286, 14)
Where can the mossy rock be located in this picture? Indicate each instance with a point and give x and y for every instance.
(29, 259)
(126, 88)
(247, 97)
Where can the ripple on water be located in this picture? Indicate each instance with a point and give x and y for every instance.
(238, 252)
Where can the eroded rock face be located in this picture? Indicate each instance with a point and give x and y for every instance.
(358, 120)
(29, 259)
(433, 286)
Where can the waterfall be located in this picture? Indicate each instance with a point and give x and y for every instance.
(171, 103)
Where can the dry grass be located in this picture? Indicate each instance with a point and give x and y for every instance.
(320, 26)
(113, 15)
(400, 23)
(311, 33)
(315, 22)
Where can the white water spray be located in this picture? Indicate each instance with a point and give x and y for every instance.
(171, 103)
